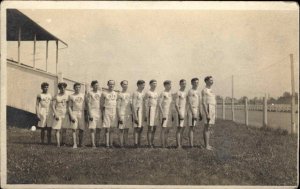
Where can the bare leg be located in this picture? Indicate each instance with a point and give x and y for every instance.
(153, 134)
(140, 136)
(136, 136)
(57, 136)
(97, 139)
(126, 136)
(206, 134)
(42, 135)
(166, 136)
(178, 137)
(107, 137)
(49, 129)
(74, 138)
(93, 137)
(111, 131)
(191, 136)
(80, 137)
(63, 136)
(149, 135)
(121, 137)
(163, 137)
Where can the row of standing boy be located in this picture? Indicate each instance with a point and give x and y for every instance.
(108, 109)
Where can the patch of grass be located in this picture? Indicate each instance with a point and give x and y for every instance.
(243, 156)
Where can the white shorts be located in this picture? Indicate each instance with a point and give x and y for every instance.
(178, 122)
(168, 122)
(46, 118)
(110, 117)
(212, 113)
(127, 122)
(193, 121)
(96, 123)
(79, 120)
(152, 116)
(140, 118)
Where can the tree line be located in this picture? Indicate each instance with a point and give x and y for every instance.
(285, 98)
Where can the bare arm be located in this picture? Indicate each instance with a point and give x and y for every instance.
(160, 99)
(119, 100)
(204, 103)
(37, 106)
(53, 107)
(177, 102)
(70, 106)
(134, 109)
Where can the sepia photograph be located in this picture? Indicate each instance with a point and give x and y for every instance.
(149, 94)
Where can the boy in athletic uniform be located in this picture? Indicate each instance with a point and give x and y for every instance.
(124, 102)
(181, 110)
(109, 108)
(165, 106)
(76, 109)
(138, 108)
(44, 113)
(151, 112)
(94, 112)
(194, 109)
(59, 107)
(209, 106)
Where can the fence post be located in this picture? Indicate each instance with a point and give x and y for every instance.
(293, 108)
(223, 108)
(265, 110)
(246, 111)
(232, 100)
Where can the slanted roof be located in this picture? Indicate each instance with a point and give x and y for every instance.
(16, 19)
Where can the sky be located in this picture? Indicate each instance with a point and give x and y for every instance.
(252, 45)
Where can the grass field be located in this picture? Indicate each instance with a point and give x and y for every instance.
(243, 156)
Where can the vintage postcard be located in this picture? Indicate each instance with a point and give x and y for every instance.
(149, 94)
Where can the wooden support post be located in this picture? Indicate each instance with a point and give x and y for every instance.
(19, 45)
(265, 111)
(232, 100)
(47, 55)
(223, 108)
(246, 111)
(34, 50)
(293, 108)
(56, 57)
(60, 77)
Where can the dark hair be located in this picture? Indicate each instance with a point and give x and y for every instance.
(181, 81)
(140, 82)
(44, 84)
(76, 85)
(152, 81)
(167, 82)
(207, 78)
(194, 79)
(62, 84)
(94, 82)
(109, 81)
(123, 82)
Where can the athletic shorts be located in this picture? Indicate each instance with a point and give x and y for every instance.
(127, 122)
(96, 123)
(168, 121)
(110, 117)
(212, 112)
(63, 119)
(46, 118)
(177, 121)
(193, 121)
(79, 120)
(140, 118)
(152, 116)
